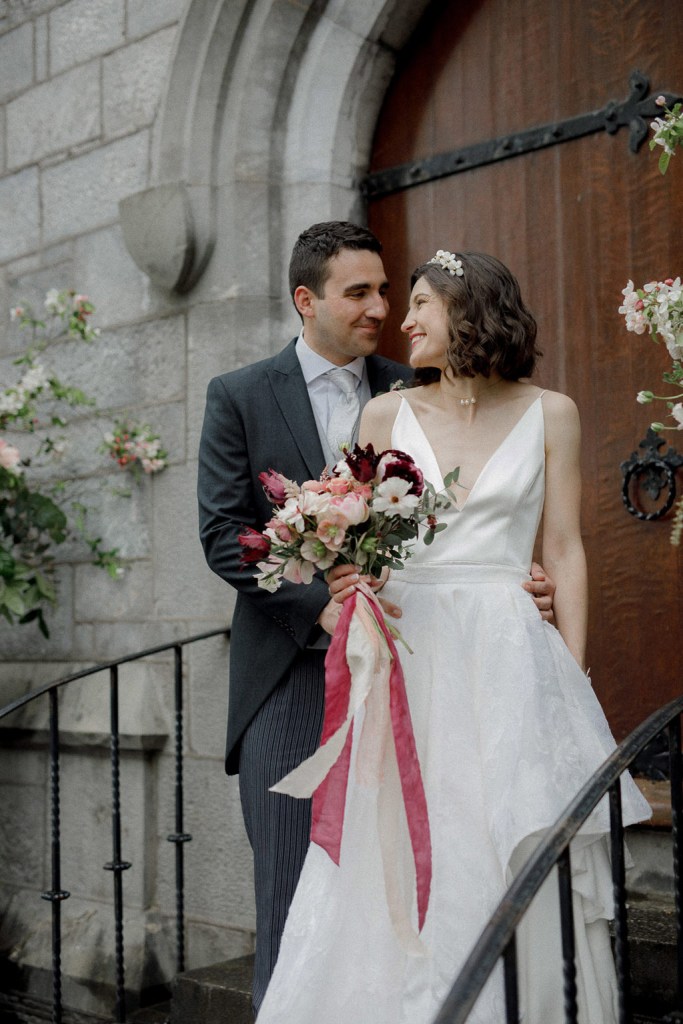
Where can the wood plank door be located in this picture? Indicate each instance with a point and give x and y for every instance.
(574, 222)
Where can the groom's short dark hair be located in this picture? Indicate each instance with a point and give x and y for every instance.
(315, 247)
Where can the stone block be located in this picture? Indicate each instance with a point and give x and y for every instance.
(88, 945)
(16, 61)
(54, 116)
(222, 336)
(133, 82)
(106, 641)
(219, 992)
(24, 832)
(183, 583)
(19, 214)
(41, 49)
(129, 597)
(118, 290)
(130, 366)
(207, 701)
(3, 140)
(81, 29)
(218, 862)
(144, 17)
(208, 944)
(83, 193)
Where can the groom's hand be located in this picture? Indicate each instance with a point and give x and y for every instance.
(542, 589)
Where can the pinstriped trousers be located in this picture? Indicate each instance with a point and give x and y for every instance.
(284, 732)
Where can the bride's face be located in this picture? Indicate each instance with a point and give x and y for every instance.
(426, 325)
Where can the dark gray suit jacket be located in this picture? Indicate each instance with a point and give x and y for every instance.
(257, 418)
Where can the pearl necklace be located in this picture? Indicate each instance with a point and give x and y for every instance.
(473, 399)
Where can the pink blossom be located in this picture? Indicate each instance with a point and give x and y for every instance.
(275, 486)
(298, 571)
(317, 486)
(9, 456)
(332, 532)
(279, 530)
(661, 101)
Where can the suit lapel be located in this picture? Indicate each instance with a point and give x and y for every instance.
(382, 374)
(290, 393)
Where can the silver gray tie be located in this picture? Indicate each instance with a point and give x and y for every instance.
(344, 419)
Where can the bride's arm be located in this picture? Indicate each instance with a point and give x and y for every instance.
(563, 554)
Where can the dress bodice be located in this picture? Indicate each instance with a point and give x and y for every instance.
(496, 521)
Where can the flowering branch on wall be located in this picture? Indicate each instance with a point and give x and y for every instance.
(37, 512)
(668, 132)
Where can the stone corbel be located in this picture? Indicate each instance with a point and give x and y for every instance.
(169, 231)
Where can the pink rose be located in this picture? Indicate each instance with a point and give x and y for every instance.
(353, 508)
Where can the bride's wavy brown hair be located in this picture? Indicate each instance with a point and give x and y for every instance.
(490, 327)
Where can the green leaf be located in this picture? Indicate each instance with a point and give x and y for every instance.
(452, 477)
(664, 162)
(14, 601)
(7, 565)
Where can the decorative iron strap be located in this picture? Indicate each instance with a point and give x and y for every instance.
(632, 113)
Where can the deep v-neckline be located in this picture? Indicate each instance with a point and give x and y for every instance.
(439, 483)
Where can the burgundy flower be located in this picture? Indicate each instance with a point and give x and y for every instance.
(256, 546)
(363, 463)
(396, 463)
(274, 485)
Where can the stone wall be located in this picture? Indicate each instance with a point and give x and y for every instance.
(80, 88)
(193, 139)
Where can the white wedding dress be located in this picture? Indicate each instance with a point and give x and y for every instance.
(507, 730)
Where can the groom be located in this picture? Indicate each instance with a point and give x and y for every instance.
(289, 412)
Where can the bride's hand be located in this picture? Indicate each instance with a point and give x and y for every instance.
(342, 581)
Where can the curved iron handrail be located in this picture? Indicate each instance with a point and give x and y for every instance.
(105, 665)
(56, 895)
(498, 937)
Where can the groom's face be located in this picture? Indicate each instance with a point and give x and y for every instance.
(347, 320)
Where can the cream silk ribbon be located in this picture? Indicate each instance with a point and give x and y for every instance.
(362, 669)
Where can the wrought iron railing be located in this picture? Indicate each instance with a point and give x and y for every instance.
(498, 940)
(56, 894)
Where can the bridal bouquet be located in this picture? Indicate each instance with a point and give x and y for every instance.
(365, 512)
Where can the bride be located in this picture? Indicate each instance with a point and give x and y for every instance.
(506, 723)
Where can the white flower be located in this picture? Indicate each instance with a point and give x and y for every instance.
(12, 401)
(677, 413)
(35, 378)
(16, 313)
(265, 579)
(54, 302)
(392, 496)
(644, 397)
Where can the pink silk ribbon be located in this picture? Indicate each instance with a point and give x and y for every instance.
(363, 669)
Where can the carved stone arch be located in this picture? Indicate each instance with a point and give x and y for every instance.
(266, 125)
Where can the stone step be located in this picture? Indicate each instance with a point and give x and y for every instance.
(219, 994)
(652, 935)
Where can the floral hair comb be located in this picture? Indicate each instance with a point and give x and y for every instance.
(449, 262)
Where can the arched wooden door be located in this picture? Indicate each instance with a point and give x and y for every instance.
(574, 221)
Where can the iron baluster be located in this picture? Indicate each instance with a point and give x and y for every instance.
(564, 874)
(621, 949)
(510, 974)
(56, 894)
(677, 837)
(116, 865)
(179, 837)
